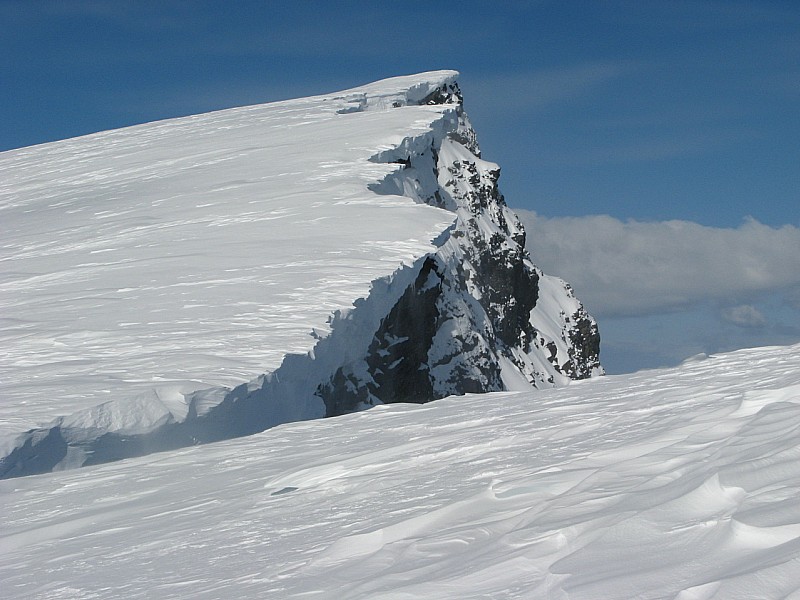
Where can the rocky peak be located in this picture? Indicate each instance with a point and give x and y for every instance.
(469, 321)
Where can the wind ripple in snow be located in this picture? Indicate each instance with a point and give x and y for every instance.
(680, 484)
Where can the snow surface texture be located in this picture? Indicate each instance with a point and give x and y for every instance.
(673, 484)
(156, 265)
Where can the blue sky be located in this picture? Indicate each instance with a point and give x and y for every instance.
(642, 111)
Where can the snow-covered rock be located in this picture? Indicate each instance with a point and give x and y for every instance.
(353, 247)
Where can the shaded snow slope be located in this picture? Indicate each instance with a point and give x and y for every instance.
(669, 484)
(355, 247)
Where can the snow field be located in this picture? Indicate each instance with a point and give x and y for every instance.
(679, 484)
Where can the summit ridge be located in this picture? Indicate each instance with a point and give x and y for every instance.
(465, 311)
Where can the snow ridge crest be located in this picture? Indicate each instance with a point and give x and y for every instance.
(474, 316)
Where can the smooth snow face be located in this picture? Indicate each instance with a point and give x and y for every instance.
(679, 484)
(197, 252)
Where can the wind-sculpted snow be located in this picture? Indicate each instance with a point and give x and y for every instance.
(670, 484)
(146, 263)
(293, 238)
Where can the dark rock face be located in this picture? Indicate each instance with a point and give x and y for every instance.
(508, 287)
(397, 358)
(447, 94)
(585, 350)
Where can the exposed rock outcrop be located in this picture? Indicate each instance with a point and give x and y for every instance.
(468, 323)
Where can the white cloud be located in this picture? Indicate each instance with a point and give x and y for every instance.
(621, 268)
(744, 315)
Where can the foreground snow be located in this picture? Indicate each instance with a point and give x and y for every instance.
(680, 484)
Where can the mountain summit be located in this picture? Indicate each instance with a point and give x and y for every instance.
(355, 246)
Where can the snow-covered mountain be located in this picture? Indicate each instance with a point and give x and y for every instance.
(353, 248)
(209, 277)
(674, 484)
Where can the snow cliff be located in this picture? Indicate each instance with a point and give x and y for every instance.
(466, 312)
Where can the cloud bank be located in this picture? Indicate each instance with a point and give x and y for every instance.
(625, 268)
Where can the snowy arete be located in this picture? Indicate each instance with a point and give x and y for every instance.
(353, 247)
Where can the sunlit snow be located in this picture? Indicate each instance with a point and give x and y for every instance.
(199, 252)
(680, 484)
(195, 252)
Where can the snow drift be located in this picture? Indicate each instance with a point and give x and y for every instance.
(353, 247)
(669, 484)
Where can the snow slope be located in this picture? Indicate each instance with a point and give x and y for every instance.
(209, 277)
(196, 252)
(677, 484)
